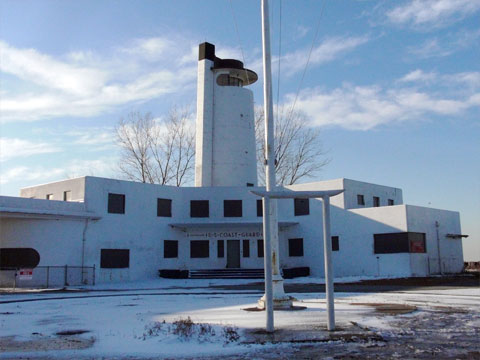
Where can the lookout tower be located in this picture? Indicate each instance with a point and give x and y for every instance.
(225, 128)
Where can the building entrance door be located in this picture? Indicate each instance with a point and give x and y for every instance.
(233, 253)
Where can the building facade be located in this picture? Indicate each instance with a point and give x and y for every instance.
(125, 231)
(130, 230)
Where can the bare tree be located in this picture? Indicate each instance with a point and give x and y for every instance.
(156, 151)
(299, 151)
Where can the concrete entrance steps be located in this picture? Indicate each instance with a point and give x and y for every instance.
(227, 274)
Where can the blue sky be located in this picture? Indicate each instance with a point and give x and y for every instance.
(393, 86)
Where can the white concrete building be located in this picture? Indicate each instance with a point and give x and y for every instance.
(117, 230)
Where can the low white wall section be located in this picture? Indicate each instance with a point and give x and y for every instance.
(422, 219)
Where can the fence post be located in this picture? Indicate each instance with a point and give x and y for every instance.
(93, 274)
(15, 279)
(65, 273)
(48, 276)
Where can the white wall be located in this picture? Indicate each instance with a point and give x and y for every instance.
(355, 229)
(76, 186)
(354, 188)
(334, 184)
(422, 219)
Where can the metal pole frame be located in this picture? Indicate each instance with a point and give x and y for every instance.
(267, 259)
(327, 247)
(269, 206)
(327, 253)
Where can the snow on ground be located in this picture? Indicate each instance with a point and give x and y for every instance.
(139, 322)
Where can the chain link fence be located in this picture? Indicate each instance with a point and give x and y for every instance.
(48, 277)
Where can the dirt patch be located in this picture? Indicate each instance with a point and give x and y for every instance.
(309, 334)
(450, 310)
(390, 309)
(71, 332)
(292, 308)
(41, 342)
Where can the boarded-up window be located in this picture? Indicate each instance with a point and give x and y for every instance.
(220, 248)
(199, 249)
(114, 258)
(404, 242)
(19, 258)
(232, 208)
(246, 248)
(199, 208)
(164, 207)
(260, 248)
(170, 249)
(302, 206)
(259, 208)
(335, 243)
(295, 247)
(116, 203)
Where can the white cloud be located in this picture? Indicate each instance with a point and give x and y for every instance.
(85, 85)
(366, 107)
(75, 168)
(328, 50)
(467, 80)
(33, 66)
(11, 148)
(300, 32)
(153, 49)
(430, 48)
(419, 75)
(432, 13)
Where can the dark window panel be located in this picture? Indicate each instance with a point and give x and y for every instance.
(170, 249)
(335, 243)
(199, 208)
(232, 208)
(404, 242)
(295, 247)
(19, 258)
(114, 258)
(116, 203)
(220, 248)
(302, 207)
(259, 208)
(360, 200)
(391, 202)
(199, 249)
(164, 207)
(260, 248)
(246, 248)
(417, 242)
(376, 201)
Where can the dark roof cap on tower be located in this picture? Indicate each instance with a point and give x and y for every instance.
(207, 51)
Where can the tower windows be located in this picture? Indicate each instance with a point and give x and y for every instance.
(227, 80)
